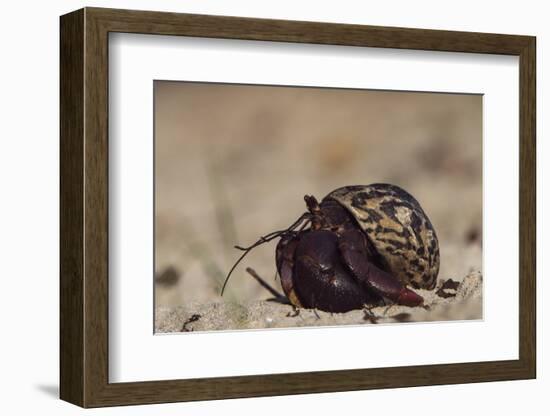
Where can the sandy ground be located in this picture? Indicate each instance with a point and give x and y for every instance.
(443, 304)
(234, 162)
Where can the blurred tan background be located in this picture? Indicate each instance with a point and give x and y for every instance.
(233, 162)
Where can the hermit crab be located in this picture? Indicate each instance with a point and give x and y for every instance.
(361, 245)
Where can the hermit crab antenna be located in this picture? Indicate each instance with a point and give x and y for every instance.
(247, 250)
(275, 234)
(262, 240)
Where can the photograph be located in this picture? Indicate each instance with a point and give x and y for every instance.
(292, 206)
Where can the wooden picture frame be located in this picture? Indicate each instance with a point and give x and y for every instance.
(84, 207)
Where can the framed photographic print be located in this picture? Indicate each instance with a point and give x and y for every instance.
(333, 207)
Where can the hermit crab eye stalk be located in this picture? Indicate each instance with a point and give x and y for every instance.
(303, 221)
(312, 204)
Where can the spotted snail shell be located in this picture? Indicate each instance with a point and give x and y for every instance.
(400, 234)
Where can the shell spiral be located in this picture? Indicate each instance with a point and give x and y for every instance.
(398, 229)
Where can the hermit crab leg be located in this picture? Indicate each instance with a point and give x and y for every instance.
(277, 296)
(286, 249)
(353, 248)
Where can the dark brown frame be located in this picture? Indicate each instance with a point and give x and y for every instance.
(84, 209)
